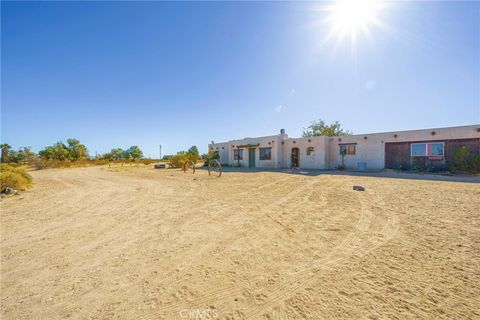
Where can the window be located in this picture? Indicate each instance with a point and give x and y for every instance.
(419, 150)
(310, 151)
(347, 149)
(265, 153)
(351, 149)
(238, 154)
(433, 149)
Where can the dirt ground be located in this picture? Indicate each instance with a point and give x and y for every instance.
(140, 243)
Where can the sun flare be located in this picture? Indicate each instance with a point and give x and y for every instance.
(351, 18)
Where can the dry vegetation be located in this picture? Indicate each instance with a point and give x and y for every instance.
(145, 244)
(39, 164)
(15, 177)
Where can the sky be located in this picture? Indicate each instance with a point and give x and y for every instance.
(116, 74)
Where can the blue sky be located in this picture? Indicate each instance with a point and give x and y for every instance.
(114, 74)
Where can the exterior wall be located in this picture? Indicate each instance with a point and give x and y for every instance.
(398, 154)
(369, 148)
(228, 157)
(317, 160)
(222, 149)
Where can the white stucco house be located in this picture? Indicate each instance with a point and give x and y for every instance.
(399, 149)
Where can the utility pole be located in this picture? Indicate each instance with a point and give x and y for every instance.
(160, 152)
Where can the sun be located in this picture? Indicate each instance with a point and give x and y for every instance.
(351, 18)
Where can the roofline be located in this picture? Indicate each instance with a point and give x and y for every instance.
(356, 135)
(410, 130)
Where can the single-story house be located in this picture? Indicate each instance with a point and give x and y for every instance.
(396, 150)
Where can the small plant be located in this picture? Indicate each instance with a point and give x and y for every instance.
(14, 177)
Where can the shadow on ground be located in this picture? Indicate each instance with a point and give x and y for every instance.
(377, 174)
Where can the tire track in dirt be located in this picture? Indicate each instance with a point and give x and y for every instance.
(77, 254)
(176, 223)
(99, 235)
(82, 201)
(125, 230)
(230, 291)
(178, 256)
(352, 246)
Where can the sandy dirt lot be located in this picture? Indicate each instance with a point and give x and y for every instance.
(139, 243)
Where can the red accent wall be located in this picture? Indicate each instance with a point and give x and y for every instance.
(397, 154)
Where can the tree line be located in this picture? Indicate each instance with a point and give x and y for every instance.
(71, 151)
(177, 160)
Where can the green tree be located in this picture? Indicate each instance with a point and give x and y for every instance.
(107, 156)
(193, 154)
(320, 128)
(23, 154)
(61, 151)
(27, 154)
(5, 150)
(73, 151)
(134, 152)
(117, 153)
(76, 150)
(47, 153)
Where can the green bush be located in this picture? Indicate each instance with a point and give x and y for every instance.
(463, 161)
(459, 161)
(212, 155)
(178, 160)
(14, 177)
(474, 163)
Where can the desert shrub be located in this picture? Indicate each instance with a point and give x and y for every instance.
(212, 155)
(39, 164)
(178, 160)
(474, 163)
(14, 177)
(459, 160)
(463, 161)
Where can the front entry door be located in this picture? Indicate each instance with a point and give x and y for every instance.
(251, 158)
(295, 158)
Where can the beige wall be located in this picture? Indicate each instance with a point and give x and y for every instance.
(222, 149)
(317, 160)
(264, 142)
(370, 148)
